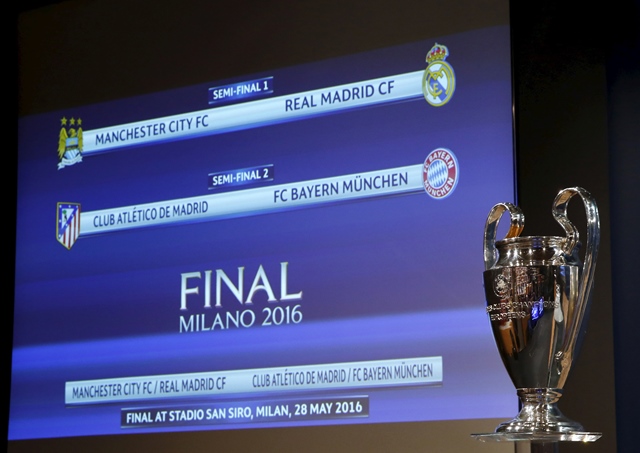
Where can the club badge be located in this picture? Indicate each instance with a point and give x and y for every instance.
(70, 142)
(438, 82)
(67, 223)
(440, 173)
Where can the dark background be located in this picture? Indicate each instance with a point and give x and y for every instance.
(577, 93)
(577, 98)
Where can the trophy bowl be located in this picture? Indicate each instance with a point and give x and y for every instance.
(538, 294)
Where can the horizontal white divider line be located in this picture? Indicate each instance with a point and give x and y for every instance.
(348, 375)
(391, 181)
(255, 113)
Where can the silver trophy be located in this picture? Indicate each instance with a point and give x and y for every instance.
(538, 294)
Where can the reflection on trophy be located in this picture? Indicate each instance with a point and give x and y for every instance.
(538, 293)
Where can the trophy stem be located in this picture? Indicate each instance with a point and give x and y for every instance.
(539, 414)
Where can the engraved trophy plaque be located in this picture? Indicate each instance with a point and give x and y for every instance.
(538, 293)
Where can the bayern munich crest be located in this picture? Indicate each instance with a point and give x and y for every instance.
(67, 223)
(440, 173)
(439, 81)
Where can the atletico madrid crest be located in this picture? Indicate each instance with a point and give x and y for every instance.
(67, 223)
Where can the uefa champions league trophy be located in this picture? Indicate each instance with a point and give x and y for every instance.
(537, 295)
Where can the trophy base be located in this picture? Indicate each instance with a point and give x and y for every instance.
(538, 437)
(539, 420)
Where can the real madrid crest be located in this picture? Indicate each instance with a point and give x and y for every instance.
(438, 82)
(70, 142)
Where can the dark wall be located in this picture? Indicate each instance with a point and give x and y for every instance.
(623, 75)
(561, 124)
(577, 116)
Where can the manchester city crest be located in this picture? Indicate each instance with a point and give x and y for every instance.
(67, 223)
(70, 142)
(439, 81)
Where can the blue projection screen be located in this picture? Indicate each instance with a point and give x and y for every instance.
(289, 248)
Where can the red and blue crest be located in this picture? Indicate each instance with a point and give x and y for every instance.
(67, 223)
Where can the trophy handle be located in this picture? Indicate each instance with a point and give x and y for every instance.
(491, 229)
(560, 205)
